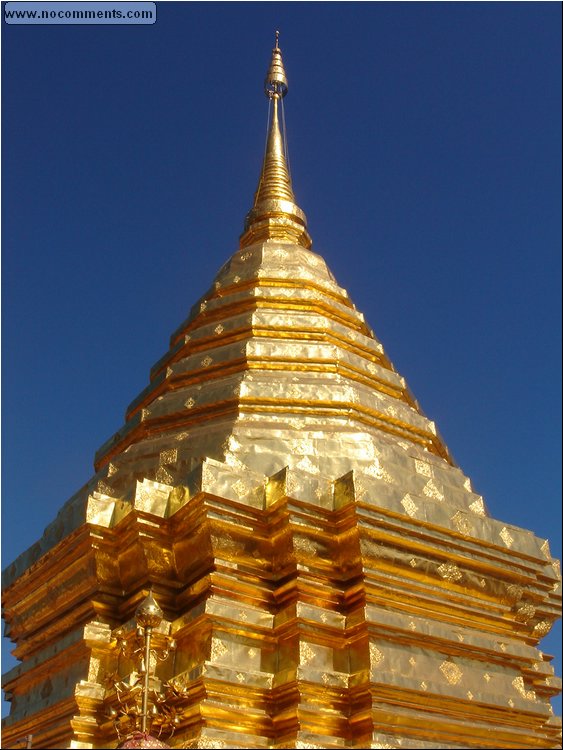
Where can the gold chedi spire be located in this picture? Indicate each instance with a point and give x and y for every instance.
(275, 215)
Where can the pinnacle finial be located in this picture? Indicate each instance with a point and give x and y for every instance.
(275, 215)
(275, 85)
(148, 612)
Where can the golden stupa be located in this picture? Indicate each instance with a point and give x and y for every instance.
(327, 575)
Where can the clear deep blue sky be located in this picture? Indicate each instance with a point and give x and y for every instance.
(425, 147)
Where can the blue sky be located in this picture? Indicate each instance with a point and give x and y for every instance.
(425, 147)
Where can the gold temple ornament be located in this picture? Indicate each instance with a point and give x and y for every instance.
(140, 706)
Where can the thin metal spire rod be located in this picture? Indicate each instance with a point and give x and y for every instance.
(284, 135)
(267, 125)
(145, 708)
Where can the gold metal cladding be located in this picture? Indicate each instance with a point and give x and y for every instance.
(254, 300)
(363, 362)
(294, 621)
(268, 407)
(275, 193)
(270, 325)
